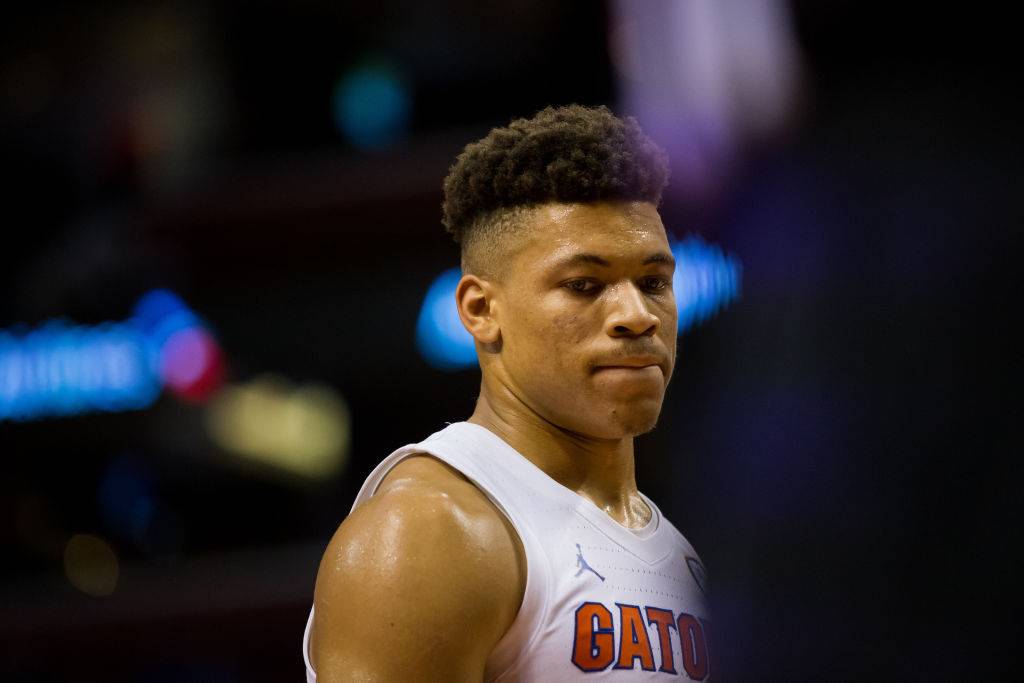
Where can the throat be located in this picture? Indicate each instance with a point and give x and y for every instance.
(600, 470)
(631, 512)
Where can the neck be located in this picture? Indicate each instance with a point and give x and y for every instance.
(600, 470)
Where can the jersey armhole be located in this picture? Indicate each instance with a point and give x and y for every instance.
(532, 610)
(310, 672)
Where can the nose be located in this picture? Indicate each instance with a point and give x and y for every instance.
(630, 315)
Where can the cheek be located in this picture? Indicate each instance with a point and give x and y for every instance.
(671, 341)
(566, 340)
(569, 329)
(556, 341)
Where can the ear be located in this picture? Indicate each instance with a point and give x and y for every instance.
(474, 298)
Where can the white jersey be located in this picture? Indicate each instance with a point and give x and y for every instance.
(601, 600)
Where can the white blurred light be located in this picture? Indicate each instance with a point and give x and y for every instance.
(706, 79)
(303, 430)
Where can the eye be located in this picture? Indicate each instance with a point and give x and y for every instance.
(656, 284)
(582, 286)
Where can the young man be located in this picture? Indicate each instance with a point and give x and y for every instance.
(515, 546)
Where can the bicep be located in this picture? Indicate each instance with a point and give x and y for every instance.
(404, 593)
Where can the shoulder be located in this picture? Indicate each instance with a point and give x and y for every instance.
(426, 506)
(427, 568)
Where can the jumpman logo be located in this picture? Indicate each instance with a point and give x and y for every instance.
(582, 563)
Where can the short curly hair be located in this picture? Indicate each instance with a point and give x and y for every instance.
(564, 154)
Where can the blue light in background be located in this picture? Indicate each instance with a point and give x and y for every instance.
(133, 510)
(440, 336)
(160, 313)
(372, 105)
(126, 498)
(63, 369)
(706, 280)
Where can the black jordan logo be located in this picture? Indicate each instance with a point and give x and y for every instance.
(582, 564)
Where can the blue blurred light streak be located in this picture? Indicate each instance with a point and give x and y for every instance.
(706, 280)
(62, 369)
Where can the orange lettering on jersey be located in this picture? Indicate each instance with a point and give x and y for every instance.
(594, 644)
(664, 620)
(695, 649)
(633, 640)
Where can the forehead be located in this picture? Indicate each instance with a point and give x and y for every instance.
(610, 229)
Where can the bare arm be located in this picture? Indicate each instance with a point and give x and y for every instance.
(419, 583)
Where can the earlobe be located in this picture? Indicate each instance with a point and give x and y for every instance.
(474, 298)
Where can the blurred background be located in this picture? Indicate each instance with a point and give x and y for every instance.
(222, 256)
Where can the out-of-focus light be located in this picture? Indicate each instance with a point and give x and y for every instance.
(440, 335)
(133, 511)
(184, 353)
(372, 105)
(126, 498)
(191, 364)
(302, 430)
(91, 565)
(706, 79)
(705, 280)
(159, 313)
(63, 369)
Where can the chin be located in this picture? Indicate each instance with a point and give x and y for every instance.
(640, 425)
(622, 424)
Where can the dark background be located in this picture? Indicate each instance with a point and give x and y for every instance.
(841, 445)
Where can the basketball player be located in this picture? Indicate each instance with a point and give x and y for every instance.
(515, 546)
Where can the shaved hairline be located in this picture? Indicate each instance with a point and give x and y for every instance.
(488, 249)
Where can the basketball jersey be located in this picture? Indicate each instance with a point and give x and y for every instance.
(601, 601)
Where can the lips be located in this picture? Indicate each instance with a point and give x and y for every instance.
(629, 363)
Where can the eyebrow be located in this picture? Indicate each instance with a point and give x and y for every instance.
(577, 259)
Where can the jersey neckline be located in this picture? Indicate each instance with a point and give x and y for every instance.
(623, 535)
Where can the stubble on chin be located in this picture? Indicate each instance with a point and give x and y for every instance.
(622, 424)
(640, 426)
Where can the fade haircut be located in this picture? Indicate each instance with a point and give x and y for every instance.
(570, 154)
